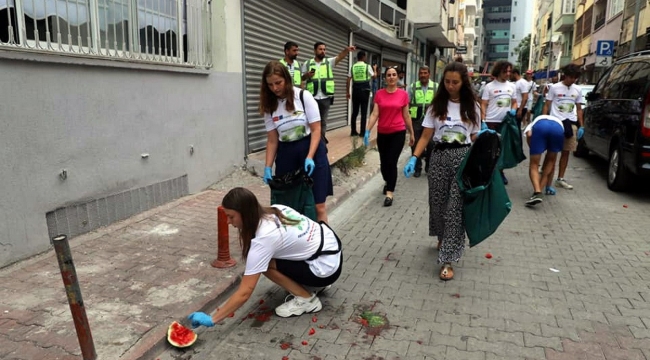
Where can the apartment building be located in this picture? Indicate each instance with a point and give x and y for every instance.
(521, 23)
(553, 36)
(496, 24)
(118, 107)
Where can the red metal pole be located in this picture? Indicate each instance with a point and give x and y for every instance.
(73, 292)
(223, 259)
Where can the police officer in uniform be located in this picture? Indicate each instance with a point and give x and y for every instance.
(289, 60)
(360, 76)
(319, 79)
(421, 95)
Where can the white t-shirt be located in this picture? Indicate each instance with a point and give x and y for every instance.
(539, 118)
(293, 125)
(274, 240)
(531, 95)
(563, 101)
(521, 87)
(499, 96)
(305, 69)
(453, 129)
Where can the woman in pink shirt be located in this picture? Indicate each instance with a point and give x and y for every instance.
(391, 113)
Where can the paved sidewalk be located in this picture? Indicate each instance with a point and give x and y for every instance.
(567, 280)
(136, 276)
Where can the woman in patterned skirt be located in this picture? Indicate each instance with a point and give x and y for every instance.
(453, 120)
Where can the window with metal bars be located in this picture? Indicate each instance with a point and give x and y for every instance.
(174, 32)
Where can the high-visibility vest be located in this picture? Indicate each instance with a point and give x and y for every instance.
(323, 78)
(360, 72)
(421, 99)
(296, 71)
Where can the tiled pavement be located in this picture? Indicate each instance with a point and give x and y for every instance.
(136, 276)
(568, 280)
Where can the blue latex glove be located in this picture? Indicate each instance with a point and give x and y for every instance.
(484, 125)
(268, 174)
(513, 112)
(366, 138)
(581, 133)
(484, 130)
(409, 169)
(200, 318)
(309, 166)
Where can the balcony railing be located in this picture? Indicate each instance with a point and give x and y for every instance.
(383, 10)
(600, 21)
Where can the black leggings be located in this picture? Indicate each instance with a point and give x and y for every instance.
(390, 147)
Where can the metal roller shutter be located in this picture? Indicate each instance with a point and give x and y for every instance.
(393, 55)
(364, 44)
(268, 25)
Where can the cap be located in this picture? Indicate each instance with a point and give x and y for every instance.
(529, 71)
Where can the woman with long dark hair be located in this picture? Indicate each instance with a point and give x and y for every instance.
(293, 140)
(453, 120)
(287, 247)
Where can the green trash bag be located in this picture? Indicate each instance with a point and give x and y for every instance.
(485, 199)
(294, 190)
(538, 107)
(512, 152)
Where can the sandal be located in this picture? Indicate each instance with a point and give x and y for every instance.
(550, 190)
(446, 272)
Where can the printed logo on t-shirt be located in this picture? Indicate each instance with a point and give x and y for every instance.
(303, 225)
(453, 132)
(566, 102)
(503, 97)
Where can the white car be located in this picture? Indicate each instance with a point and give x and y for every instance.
(585, 89)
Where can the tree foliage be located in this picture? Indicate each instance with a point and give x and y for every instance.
(523, 53)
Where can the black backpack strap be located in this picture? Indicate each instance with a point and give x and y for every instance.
(302, 101)
(320, 250)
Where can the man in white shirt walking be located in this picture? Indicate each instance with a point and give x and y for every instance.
(498, 99)
(561, 101)
(522, 87)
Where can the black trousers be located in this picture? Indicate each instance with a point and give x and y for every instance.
(360, 99)
(390, 146)
(426, 155)
(323, 109)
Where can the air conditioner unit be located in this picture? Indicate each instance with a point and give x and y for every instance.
(405, 30)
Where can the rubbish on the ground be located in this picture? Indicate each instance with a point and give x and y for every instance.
(554, 270)
(312, 331)
(314, 319)
(285, 345)
(456, 295)
(625, 206)
(180, 336)
(488, 255)
(304, 342)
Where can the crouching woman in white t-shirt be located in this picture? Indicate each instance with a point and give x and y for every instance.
(287, 247)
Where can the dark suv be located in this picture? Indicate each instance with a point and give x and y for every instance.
(617, 120)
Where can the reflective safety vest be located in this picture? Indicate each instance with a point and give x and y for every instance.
(360, 72)
(421, 99)
(296, 71)
(323, 78)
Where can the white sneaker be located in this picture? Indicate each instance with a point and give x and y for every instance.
(563, 184)
(298, 306)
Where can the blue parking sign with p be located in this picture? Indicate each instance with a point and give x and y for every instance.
(605, 48)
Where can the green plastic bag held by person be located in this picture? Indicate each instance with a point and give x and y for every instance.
(294, 190)
(512, 152)
(485, 199)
